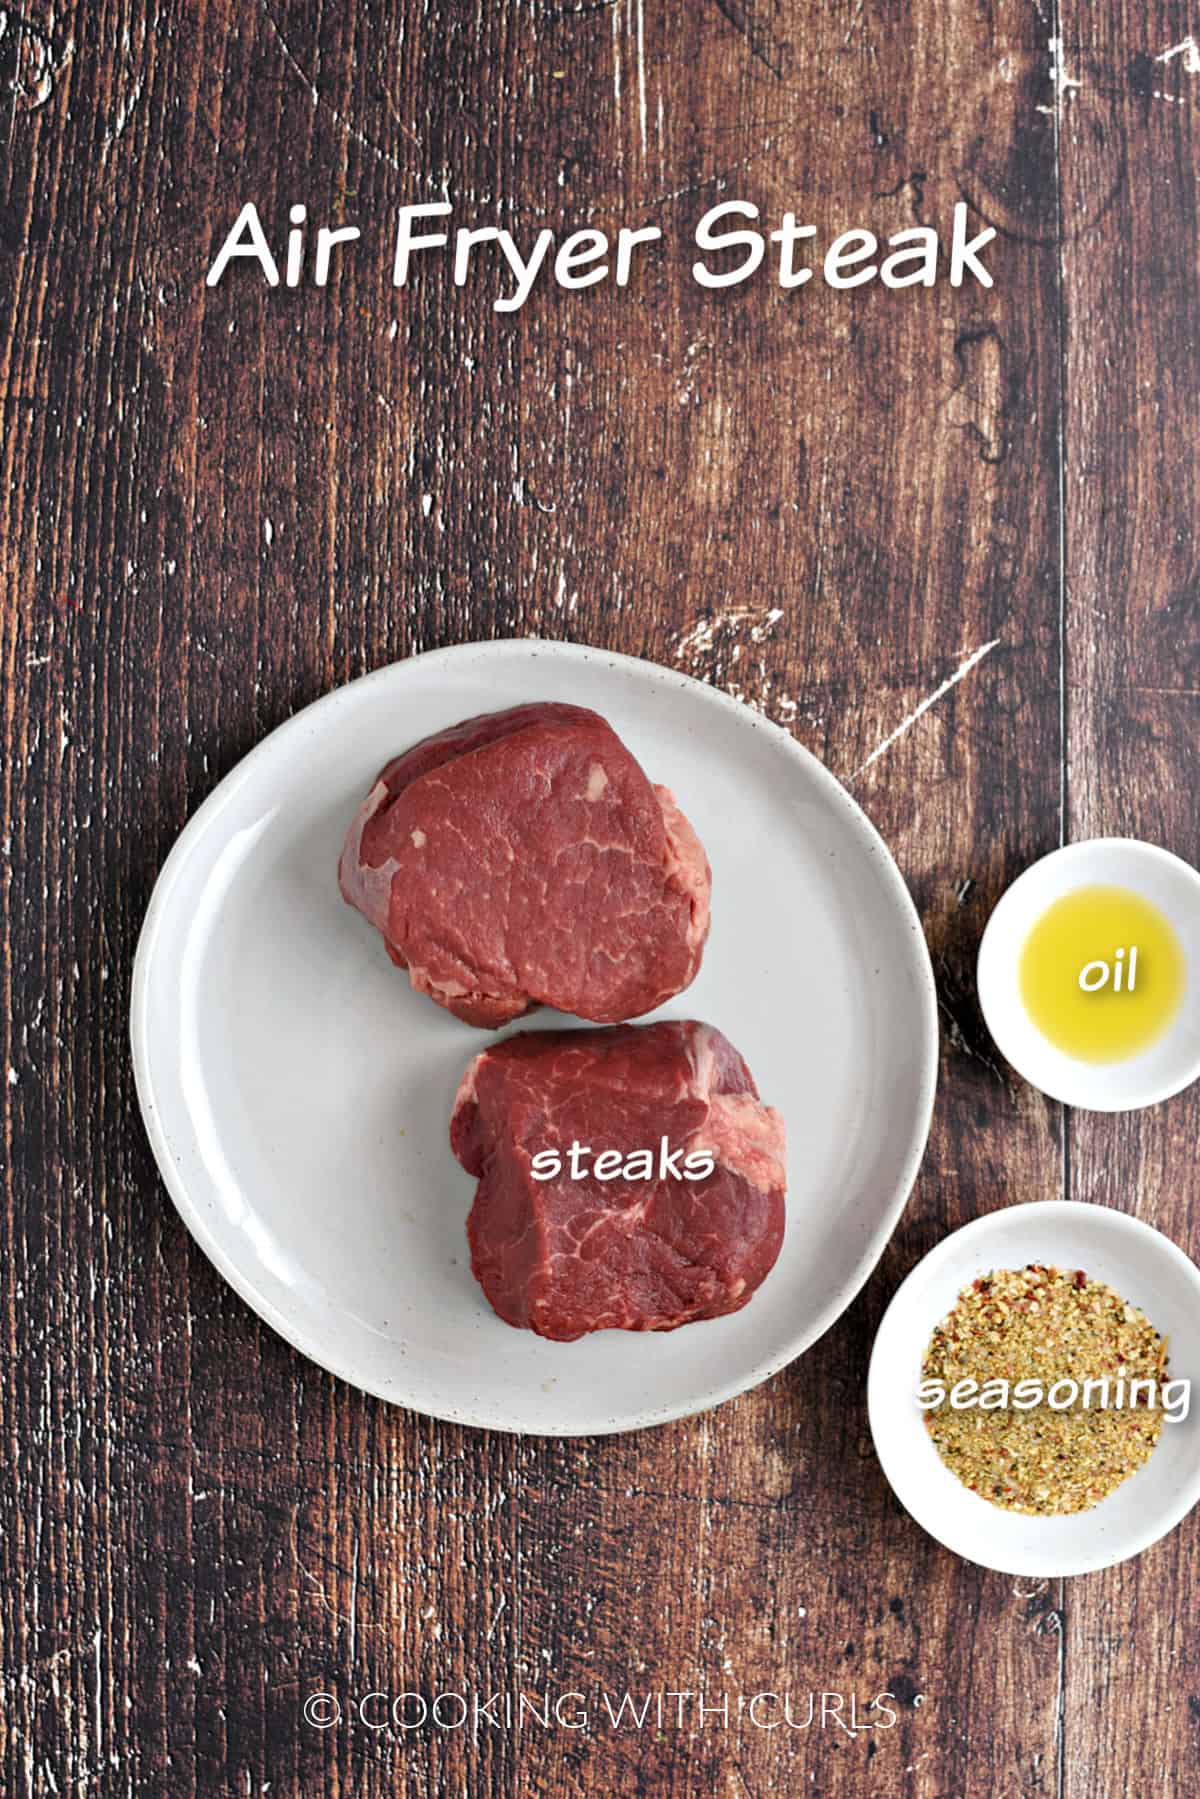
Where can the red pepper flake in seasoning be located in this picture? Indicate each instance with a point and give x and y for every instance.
(1045, 1325)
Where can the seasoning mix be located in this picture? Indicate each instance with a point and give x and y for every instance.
(1045, 1325)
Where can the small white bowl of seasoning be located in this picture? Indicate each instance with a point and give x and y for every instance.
(1089, 974)
(1109, 1250)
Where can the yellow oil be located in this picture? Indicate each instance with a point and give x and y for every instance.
(1080, 935)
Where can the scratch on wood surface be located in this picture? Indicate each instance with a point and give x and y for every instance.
(354, 1602)
(318, 99)
(979, 398)
(582, 11)
(713, 649)
(1064, 84)
(37, 69)
(641, 73)
(762, 43)
(314, 1581)
(918, 712)
(1189, 49)
(718, 179)
(125, 112)
(700, 639)
(616, 47)
(959, 1038)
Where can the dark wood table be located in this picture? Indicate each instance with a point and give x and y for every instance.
(945, 536)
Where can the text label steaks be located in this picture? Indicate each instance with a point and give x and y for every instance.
(614, 1164)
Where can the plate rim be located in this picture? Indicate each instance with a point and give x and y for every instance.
(926, 1034)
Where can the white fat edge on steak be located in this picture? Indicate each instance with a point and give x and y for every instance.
(466, 1087)
(504, 1007)
(740, 1133)
(686, 865)
(370, 889)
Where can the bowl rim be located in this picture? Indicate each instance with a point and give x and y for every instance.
(1122, 1223)
(988, 977)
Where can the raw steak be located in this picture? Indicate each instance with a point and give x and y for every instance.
(523, 858)
(563, 1256)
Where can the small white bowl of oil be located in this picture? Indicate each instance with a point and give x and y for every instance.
(1089, 974)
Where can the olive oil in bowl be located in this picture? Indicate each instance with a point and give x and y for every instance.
(1102, 973)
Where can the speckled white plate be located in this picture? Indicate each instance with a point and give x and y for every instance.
(297, 1092)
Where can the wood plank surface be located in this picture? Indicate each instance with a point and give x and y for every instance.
(1132, 484)
(924, 531)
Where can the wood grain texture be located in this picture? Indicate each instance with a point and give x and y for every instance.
(1132, 481)
(216, 505)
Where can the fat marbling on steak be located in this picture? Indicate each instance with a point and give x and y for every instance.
(562, 1256)
(522, 858)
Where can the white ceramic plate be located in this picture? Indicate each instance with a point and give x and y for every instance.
(297, 1092)
(1146, 1269)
